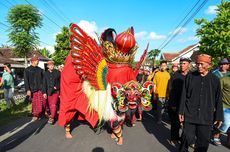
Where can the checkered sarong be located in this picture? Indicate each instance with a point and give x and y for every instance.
(38, 103)
(52, 100)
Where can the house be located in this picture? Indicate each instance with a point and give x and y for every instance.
(7, 53)
(18, 63)
(191, 51)
(147, 65)
(12, 62)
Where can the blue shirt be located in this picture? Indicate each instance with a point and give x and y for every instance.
(220, 74)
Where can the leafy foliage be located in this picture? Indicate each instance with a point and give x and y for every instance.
(4, 46)
(62, 47)
(152, 54)
(215, 35)
(24, 19)
(45, 52)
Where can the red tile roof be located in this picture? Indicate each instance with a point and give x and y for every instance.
(171, 56)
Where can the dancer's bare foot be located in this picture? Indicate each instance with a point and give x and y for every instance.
(68, 135)
(67, 132)
(113, 136)
(120, 141)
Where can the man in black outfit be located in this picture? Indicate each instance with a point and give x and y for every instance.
(200, 105)
(33, 77)
(175, 89)
(51, 88)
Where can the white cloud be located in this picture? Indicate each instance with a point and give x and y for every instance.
(154, 36)
(50, 49)
(89, 27)
(191, 38)
(179, 30)
(149, 36)
(211, 10)
(141, 35)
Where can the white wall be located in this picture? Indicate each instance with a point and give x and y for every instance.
(186, 54)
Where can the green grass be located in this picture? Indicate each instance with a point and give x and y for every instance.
(8, 115)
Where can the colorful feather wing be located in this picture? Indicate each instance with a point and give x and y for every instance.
(88, 58)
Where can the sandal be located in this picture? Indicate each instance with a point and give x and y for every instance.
(216, 141)
(51, 121)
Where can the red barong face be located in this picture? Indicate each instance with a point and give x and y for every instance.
(132, 94)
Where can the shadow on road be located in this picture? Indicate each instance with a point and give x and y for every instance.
(14, 125)
(160, 131)
(23, 133)
(98, 149)
(100, 127)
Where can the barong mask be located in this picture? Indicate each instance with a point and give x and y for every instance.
(132, 94)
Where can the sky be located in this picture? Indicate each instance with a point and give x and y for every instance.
(154, 21)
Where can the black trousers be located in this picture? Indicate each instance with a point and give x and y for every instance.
(202, 134)
(130, 116)
(161, 103)
(175, 124)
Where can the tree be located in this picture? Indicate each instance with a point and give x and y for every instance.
(215, 34)
(4, 46)
(62, 47)
(24, 19)
(45, 52)
(152, 54)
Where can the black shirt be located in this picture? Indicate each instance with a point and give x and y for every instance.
(51, 82)
(141, 78)
(33, 77)
(201, 99)
(175, 89)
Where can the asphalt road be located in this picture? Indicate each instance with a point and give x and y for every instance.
(25, 136)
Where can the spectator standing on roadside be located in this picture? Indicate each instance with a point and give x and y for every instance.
(160, 82)
(8, 85)
(51, 88)
(222, 71)
(33, 77)
(200, 105)
(176, 83)
(175, 68)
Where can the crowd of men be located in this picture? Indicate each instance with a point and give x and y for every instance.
(196, 100)
(42, 87)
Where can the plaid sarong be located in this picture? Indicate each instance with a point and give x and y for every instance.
(52, 100)
(38, 103)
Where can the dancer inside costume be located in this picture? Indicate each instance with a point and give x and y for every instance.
(106, 88)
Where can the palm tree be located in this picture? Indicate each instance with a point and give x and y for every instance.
(152, 54)
(45, 52)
